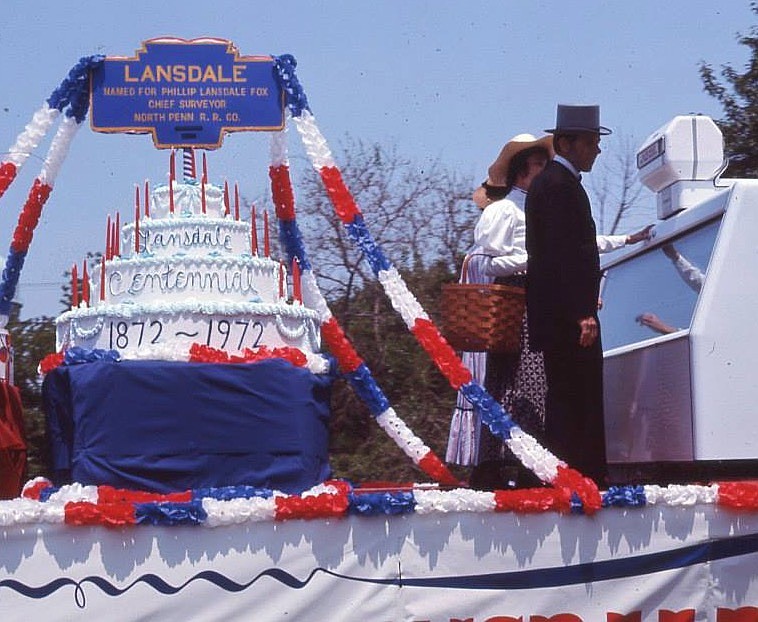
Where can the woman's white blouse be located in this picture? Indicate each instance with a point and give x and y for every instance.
(500, 237)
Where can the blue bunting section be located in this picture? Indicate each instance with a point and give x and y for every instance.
(75, 504)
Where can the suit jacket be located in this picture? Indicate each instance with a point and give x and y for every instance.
(563, 277)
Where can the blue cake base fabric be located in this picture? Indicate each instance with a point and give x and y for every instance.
(170, 426)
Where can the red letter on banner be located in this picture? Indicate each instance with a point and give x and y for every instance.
(743, 614)
(686, 615)
(635, 616)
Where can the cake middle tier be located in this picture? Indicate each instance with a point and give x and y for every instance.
(222, 278)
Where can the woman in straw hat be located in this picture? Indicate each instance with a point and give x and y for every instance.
(515, 380)
(499, 253)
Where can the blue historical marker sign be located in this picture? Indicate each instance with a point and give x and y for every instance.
(186, 93)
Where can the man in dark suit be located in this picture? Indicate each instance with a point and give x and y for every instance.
(563, 283)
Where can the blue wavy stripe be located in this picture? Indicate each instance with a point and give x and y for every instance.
(626, 568)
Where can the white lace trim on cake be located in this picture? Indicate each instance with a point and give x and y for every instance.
(86, 333)
(189, 307)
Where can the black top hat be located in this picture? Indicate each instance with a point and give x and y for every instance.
(571, 118)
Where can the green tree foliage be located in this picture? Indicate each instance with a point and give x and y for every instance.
(738, 95)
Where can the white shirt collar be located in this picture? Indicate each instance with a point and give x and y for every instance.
(561, 160)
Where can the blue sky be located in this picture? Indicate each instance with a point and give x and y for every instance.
(439, 79)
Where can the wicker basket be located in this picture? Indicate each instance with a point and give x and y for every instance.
(482, 317)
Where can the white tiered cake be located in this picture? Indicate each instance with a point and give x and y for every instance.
(218, 379)
(193, 274)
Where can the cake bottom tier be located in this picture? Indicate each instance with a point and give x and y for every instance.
(170, 426)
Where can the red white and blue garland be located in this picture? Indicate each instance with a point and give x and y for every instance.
(79, 505)
(72, 99)
(350, 363)
(543, 463)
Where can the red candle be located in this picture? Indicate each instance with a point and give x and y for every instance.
(102, 277)
(85, 284)
(136, 195)
(253, 232)
(108, 239)
(74, 287)
(265, 234)
(236, 201)
(202, 194)
(113, 240)
(136, 230)
(147, 199)
(172, 166)
(297, 293)
(205, 168)
(117, 237)
(171, 195)
(226, 198)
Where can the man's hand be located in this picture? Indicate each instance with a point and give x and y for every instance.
(638, 236)
(588, 331)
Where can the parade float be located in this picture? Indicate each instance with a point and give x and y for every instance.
(213, 499)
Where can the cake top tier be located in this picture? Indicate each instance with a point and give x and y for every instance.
(190, 198)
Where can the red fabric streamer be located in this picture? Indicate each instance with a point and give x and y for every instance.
(441, 353)
(281, 192)
(584, 487)
(739, 495)
(8, 173)
(110, 495)
(107, 514)
(50, 362)
(339, 345)
(534, 500)
(29, 217)
(344, 204)
(436, 469)
(316, 506)
(200, 353)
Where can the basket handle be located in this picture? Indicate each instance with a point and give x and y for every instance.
(464, 266)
